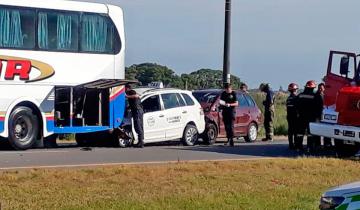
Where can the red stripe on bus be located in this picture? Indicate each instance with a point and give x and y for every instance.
(117, 94)
(51, 118)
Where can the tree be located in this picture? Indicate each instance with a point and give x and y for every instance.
(200, 79)
(152, 72)
(208, 78)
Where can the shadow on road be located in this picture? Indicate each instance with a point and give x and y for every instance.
(257, 150)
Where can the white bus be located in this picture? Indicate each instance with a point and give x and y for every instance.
(61, 69)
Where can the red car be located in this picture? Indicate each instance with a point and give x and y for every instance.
(247, 120)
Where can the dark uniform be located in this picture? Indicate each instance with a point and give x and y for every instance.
(319, 100)
(292, 119)
(319, 95)
(229, 114)
(308, 106)
(269, 113)
(137, 114)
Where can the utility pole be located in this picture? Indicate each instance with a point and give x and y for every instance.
(226, 64)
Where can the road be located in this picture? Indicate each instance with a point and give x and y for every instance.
(71, 156)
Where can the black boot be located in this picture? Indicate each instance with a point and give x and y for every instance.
(231, 142)
(140, 144)
(299, 143)
(291, 139)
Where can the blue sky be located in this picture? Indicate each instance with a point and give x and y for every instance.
(275, 41)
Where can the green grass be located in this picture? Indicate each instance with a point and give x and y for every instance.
(280, 122)
(263, 184)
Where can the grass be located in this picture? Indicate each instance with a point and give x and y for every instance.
(262, 184)
(280, 122)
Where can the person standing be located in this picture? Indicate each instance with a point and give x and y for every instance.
(244, 87)
(307, 106)
(320, 94)
(137, 113)
(292, 115)
(229, 102)
(269, 112)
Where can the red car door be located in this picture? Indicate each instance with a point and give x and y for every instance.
(222, 132)
(242, 116)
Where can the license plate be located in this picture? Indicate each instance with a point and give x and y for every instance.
(349, 133)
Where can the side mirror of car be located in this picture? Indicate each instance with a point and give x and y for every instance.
(344, 65)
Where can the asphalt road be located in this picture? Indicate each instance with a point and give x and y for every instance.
(68, 155)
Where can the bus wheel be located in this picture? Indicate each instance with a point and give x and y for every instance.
(346, 150)
(23, 128)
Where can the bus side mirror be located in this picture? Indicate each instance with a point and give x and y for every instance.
(344, 65)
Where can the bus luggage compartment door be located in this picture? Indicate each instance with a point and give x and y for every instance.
(79, 107)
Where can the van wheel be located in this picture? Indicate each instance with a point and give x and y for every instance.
(124, 137)
(346, 150)
(210, 134)
(252, 133)
(190, 135)
(23, 128)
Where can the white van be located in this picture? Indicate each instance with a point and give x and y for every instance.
(169, 114)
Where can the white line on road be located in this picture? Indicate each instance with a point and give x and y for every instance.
(134, 163)
(31, 152)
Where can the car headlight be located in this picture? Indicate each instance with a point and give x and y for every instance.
(330, 117)
(327, 203)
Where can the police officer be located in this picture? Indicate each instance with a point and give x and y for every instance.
(320, 94)
(229, 102)
(292, 115)
(137, 113)
(307, 106)
(269, 111)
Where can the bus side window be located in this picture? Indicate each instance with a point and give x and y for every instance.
(97, 34)
(58, 31)
(17, 28)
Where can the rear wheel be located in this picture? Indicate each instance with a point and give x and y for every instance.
(252, 133)
(190, 135)
(210, 134)
(23, 128)
(346, 150)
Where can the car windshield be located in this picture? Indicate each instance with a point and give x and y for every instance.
(206, 97)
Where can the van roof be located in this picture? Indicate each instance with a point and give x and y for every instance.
(147, 91)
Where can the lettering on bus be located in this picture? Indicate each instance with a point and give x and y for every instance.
(22, 68)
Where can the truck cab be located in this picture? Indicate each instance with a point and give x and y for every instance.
(341, 114)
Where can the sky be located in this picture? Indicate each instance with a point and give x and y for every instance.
(274, 41)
